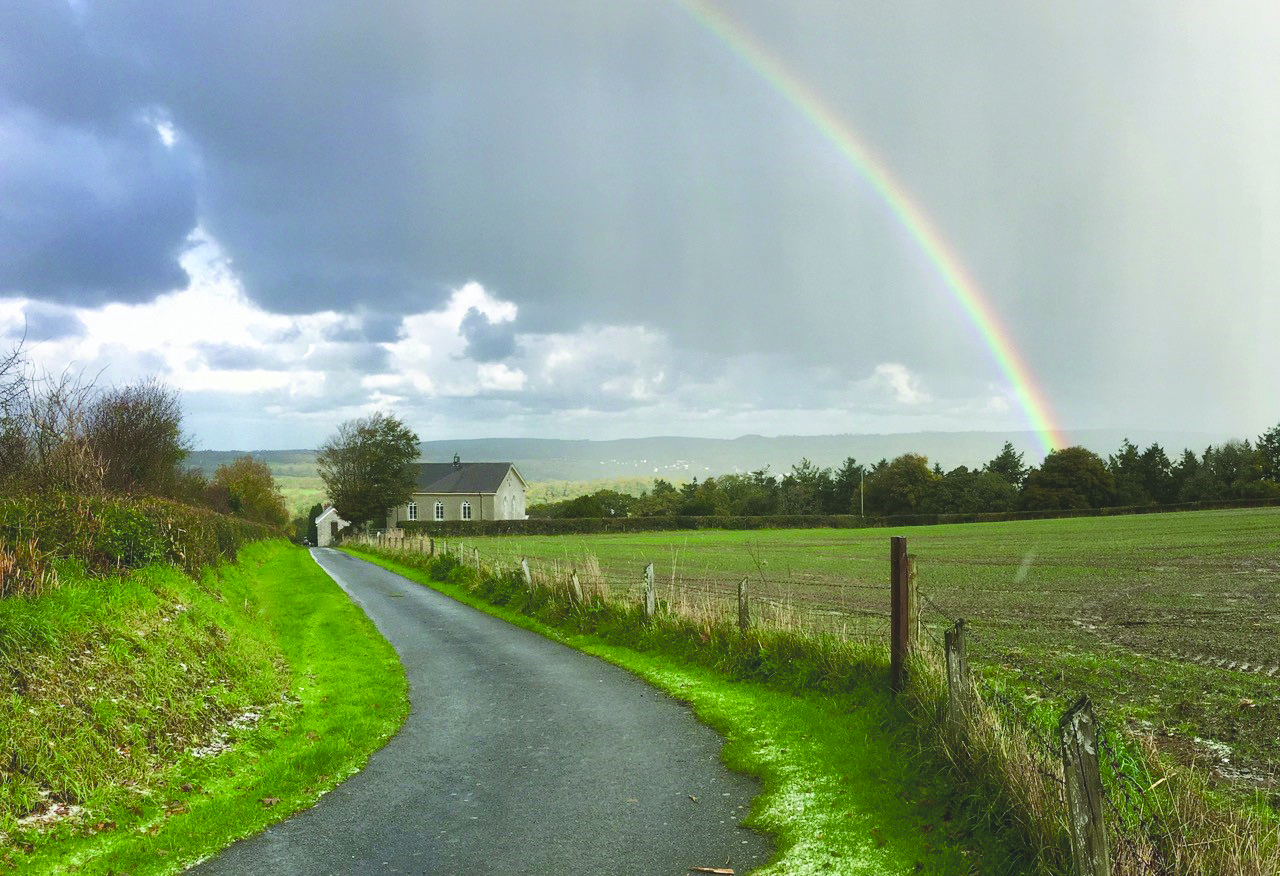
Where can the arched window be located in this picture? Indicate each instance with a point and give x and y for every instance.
(439, 510)
(466, 510)
(413, 511)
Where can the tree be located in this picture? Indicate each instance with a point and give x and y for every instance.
(252, 490)
(367, 466)
(804, 488)
(1068, 479)
(136, 431)
(1126, 468)
(1269, 450)
(962, 491)
(846, 482)
(312, 536)
(1157, 475)
(1008, 465)
(902, 486)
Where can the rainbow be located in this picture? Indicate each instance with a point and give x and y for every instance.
(975, 305)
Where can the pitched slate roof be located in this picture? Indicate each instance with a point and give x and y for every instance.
(465, 477)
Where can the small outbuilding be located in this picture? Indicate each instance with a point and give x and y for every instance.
(463, 491)
(328, 525)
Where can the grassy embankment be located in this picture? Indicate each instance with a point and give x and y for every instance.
(842, 791)
(153, 718)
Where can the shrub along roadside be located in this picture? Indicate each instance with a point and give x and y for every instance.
(272, 642)
(812, 716)
(109, 535)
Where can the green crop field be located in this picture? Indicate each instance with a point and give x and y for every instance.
(1171, 622)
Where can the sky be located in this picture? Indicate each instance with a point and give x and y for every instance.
(574, 219)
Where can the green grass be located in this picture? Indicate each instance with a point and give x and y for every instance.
(1136, 611)
(843, 791)
(271, 635)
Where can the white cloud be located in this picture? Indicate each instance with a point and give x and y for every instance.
(901, 382)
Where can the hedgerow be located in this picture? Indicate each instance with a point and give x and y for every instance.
(114, 534)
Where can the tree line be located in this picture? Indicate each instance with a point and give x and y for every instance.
(1073, 478)
(65, 434)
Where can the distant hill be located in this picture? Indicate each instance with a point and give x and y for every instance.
(548, 459)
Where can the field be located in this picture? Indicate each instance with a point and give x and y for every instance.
(1170, 622)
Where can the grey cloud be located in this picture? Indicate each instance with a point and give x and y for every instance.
(620, 164)
(88, 218)
(355, 358)
(46, 323)
(93, 206)
(487, 341)
(230, 357)
(381, 327)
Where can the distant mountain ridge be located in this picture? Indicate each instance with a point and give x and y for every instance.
(671, 457)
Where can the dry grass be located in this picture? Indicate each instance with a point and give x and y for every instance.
(25, 570)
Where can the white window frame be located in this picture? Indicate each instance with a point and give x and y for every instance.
(439, 510)
(466, 510)
(411, 510)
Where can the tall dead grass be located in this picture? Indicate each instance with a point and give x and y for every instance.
(25, 570)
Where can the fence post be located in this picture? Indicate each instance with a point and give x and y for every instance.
(1078, 730)
(431, 545)
(959, 687)
(575, 587)
(913, 603)
(650, 596)
(744, 607)
(524, 572)
(899, 608)
(475, 552)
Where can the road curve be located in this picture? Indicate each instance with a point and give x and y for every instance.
(519, 756)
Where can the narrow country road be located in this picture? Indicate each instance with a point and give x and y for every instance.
(520, 756)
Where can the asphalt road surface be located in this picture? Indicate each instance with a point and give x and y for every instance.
(520, 756)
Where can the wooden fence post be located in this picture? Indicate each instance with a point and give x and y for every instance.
(524, 572)
(959, 687)
(899, 607)
(744, 607)
(650, 596)
(575, 587)
(913, 602)
(1078, 730)
(475, 552)
(431, 545)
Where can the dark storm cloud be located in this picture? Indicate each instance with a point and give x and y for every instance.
(487, 341)
(93, 206)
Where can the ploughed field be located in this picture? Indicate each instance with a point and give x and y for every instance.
(1170, 622)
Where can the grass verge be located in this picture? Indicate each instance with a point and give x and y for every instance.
(283, 682)
(843, 790)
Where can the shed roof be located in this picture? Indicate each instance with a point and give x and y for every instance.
(462, 477)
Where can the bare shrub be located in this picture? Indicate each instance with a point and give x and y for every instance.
(47, 437)
(136, 432)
